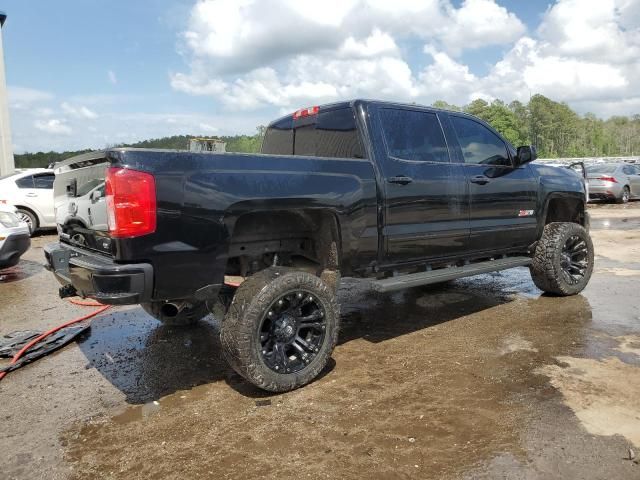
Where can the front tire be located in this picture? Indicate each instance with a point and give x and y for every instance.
(563, 259)
(280, 329)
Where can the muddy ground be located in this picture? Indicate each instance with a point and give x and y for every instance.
(479, 378)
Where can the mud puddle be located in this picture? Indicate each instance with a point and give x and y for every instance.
(426, 383)
(479, 378)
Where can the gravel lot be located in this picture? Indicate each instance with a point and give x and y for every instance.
(479, 378)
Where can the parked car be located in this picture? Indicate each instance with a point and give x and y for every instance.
(31, 191)
(403, 195)
(617, 182)
(14, 237)
(83, 210)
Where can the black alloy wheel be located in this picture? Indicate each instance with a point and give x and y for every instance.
(574, 259)
(280, 328)
(292, 332)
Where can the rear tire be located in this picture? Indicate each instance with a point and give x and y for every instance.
(280, 329)
(563, 259)
(624, 196)
(29, 218)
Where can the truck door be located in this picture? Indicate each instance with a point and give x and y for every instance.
(425, 204)
(502, 199)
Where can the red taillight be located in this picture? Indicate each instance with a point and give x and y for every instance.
(608, 179)
(131, 202)
(306, 112)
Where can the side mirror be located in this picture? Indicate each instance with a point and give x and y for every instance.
(96, 195)
(526, 154)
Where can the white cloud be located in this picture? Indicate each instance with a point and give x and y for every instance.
(478, 23)
(111, 75)
(205, 127)
(594, 32)
(378, 43)
(79, 111)
(23, 97)
(249, 55)
(31, 133)
(54, 126)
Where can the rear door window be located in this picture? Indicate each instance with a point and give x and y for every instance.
(25, 182)
(278, 139)
(480, 146)
(414, 135)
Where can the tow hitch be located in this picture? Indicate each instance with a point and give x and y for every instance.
(67, 290)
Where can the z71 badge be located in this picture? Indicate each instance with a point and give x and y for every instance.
(525, 213)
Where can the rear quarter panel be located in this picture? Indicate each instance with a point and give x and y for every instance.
(202, 195)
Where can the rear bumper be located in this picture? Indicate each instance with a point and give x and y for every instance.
(610, 190)
(99, 277)
(13, 248)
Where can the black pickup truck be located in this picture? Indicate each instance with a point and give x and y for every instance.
(402, 194)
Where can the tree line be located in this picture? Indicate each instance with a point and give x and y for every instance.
(236, 143)
(553, 127)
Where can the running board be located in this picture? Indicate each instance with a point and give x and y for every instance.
(450, 273)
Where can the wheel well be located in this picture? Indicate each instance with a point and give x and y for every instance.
(305, 239)
(565, 210)
(74, 222)
(22, 207)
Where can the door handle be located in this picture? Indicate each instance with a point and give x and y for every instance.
(402, 180)
(480, 180)
(31, 195)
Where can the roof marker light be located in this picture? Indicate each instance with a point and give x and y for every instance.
(306, 112)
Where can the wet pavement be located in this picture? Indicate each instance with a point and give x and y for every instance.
(478, 378)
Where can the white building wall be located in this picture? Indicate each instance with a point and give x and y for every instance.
(7, 164)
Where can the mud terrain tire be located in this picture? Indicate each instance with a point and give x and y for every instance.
(255, 302)
(563, 259)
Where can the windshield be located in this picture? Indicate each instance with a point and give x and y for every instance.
(601, 168)
(87, 187)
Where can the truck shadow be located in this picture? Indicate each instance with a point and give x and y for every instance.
(146, 360)
(378, 317)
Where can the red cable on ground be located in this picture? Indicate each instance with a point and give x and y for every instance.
(86, 303)
(17, 356)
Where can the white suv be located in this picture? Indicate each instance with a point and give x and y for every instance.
(31, 191)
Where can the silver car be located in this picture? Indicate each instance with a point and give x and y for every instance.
(614, 181)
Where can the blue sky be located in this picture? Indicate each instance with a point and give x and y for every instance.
(89, 73)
